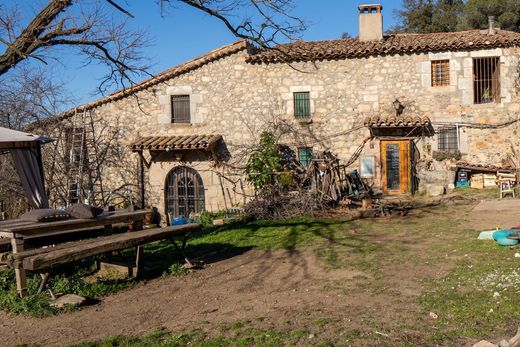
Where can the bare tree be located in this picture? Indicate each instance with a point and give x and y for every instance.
(98, 28)
(29, 96)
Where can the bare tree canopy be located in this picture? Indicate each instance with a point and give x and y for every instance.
(99, 30)
(30, 95)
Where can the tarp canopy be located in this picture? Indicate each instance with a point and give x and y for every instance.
(26, 155)
(12, 139)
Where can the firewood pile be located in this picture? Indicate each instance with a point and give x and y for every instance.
(303, 190)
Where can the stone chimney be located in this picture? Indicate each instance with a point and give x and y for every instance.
(370, 22)
(491, 27)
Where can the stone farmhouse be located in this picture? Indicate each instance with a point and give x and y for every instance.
(388, 104)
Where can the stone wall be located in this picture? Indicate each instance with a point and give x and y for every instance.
(239, 100)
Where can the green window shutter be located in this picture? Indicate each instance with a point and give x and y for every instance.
(305, 155)
(302, 105)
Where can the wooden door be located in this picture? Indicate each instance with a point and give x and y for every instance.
(395, 166)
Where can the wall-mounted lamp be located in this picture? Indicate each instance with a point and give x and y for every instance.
(167, 148)
(178, 156)
(398, 107)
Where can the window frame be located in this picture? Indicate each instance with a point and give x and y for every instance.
(309, 156)
(486, 80)
(445, 140)
(181, 119)
(440, 73)
(306, 98)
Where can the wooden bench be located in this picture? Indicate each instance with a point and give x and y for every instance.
(43, 259)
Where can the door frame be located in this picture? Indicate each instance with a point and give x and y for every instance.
(171, 186)
(405, 166)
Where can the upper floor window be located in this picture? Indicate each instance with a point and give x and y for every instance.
(302, 105)
(486, 80)
(305, 155)
(448, 139)
(440, 73)
(181, 109)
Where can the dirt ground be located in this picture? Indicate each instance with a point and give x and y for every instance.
(278, 285)
(490, 214)
(256, 284)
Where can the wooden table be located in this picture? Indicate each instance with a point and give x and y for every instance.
(20, 231)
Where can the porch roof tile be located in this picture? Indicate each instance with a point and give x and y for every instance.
(177, 142)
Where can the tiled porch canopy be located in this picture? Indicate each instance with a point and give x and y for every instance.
(399, 126)
(175, 143)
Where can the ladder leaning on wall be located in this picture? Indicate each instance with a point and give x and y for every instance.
(84, 181)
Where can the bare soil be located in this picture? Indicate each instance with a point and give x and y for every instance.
(276, 285)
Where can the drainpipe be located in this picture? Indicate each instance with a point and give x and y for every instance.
(458, 135)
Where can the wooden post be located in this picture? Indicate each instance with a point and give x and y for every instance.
(139, 252)
(21, 282)
(141, 169)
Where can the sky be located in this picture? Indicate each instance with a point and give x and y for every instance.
(184, 33)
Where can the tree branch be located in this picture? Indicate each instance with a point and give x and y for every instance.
(28, 41)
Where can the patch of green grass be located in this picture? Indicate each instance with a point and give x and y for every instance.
(322, 321)
(69, 282)
(269, 234)
(479, 297)
(197, 338)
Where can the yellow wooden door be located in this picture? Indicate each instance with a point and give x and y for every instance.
(395, 166)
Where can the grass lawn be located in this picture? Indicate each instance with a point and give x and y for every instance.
(425, 279)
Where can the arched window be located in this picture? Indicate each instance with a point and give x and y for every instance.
(184, 193)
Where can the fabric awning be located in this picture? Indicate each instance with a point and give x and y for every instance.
(399, 126)
(178, 142)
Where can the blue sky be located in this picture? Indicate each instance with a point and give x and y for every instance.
(185, 33)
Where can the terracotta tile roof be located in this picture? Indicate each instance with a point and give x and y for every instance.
(391, 44)
(400, 126)
(183, 142)
(396, 121)
(161, 77)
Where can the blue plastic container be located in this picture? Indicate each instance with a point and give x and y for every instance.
(179, 221)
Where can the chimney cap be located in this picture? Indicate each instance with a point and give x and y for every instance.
(377, 8)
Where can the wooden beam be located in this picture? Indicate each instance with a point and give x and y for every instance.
(103, 245)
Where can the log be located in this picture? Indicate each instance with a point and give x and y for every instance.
(102, 245)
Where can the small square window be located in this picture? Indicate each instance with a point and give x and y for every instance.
(440, 73)
(181, 109)
(367, 166)
(448, 139)
(302, 105)
(305, 155)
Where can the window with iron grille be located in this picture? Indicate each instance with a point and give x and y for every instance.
(448, 139)
(305, 155)
(181, 109)
(486, 80)
(440, 73)
(302, 105)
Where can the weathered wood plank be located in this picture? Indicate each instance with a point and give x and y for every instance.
(11, 258)
(53, 228)
(103, 245)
